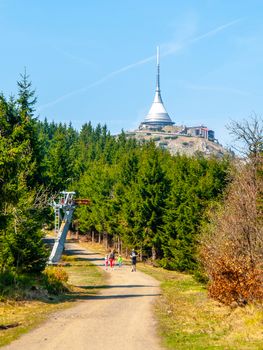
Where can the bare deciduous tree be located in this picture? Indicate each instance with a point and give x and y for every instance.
(231, 248)
(249, 135)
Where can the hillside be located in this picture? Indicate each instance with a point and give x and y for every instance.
(182, 144)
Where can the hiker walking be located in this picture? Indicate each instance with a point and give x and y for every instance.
(133, 257)
(112, 259)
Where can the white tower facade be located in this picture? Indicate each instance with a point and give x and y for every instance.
(157, 116)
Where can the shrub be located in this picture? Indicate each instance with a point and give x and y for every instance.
(232, 248)
(14, 285)
(55, 279)
(7, 278)
(235, 280)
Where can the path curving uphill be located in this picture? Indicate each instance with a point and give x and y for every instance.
(120, 317)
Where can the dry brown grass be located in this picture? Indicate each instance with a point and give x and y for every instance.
(25, 315)
(99, 248)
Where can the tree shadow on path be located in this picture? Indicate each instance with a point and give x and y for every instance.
(117, 286)
(115, 296)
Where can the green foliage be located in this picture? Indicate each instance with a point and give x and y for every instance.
(151, 200)
(140, 195)
(16, 286)
(21, 243)
(196, 183)
(7, 279)
(19, 285)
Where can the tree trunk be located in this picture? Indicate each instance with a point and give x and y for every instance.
(153, 253)
(140, 254)
(106, 243)
(118, 245)
(92, 236)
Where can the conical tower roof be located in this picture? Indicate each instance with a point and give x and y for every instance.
(157, 115)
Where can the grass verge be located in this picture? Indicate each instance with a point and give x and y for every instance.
(188, 319)
(19, 316)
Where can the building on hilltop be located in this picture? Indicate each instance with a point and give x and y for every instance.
(177, 139)
(201, 131)
(157, 117)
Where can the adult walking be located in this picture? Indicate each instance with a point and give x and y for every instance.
(133, 260)
(112, 259)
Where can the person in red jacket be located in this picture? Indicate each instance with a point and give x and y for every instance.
(112, 259)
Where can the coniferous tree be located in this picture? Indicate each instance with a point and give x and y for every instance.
(196, 183)
(147, 201)
(20, 237)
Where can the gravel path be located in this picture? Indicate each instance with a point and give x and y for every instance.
(120, 317)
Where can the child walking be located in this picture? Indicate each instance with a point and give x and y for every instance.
(119, 260)
(106, 261)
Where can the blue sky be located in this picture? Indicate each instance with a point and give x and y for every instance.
(95, 60)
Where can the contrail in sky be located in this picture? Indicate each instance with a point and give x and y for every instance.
(174, 49)
(215, 31)
(97, 82)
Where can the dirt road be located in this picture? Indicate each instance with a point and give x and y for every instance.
(119, 318)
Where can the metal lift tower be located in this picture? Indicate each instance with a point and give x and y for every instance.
(64, 210)
(63, 215)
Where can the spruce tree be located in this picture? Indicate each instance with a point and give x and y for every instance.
(147, 202)
(20, 237)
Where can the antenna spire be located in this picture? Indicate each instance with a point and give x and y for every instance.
(157, 116)
(158, 70)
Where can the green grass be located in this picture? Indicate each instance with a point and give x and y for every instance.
(188, 319)
(32, 309)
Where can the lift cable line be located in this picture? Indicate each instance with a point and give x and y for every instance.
(63, 210)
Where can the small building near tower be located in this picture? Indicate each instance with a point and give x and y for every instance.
(201, 131)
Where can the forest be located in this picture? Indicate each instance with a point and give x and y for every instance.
(181, 213)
